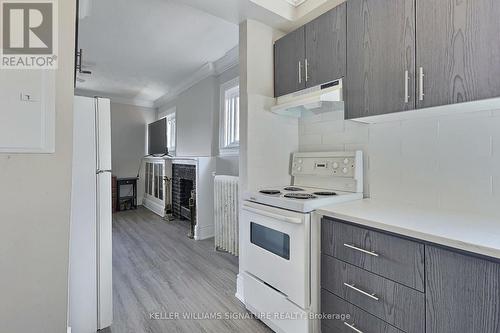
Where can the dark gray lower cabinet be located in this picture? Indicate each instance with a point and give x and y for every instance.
(398, 305)
(357, 319)
(380, 51)
(462, 293)
(392, 257)
(458, 48)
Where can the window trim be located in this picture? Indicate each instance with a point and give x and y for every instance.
(169, 113)
(231, 150)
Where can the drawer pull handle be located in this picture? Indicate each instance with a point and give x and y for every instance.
(353, 287)
(361, 250)
(352, 327)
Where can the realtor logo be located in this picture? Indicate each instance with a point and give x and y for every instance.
(29, 34)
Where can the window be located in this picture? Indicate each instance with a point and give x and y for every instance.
(229, 141)
(170, 115)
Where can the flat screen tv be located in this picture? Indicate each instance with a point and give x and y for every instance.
(157, 137)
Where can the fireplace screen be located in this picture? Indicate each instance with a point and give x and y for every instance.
(183, 182)
(185, 193)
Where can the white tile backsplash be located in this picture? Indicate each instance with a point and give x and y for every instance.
(449, 162)
(311, 139)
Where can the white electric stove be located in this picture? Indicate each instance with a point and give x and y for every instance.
(278, 260)
(300, 198)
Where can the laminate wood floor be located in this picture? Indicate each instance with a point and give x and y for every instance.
(158, 270)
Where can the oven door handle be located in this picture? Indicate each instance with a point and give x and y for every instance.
(274, 216)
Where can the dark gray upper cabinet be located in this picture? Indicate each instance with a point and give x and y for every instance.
(289, 63)
(380, 57)
(463, 293)
(458, 49)
(326, 47)
(311, 55)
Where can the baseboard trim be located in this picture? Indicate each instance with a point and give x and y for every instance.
(154, 207)
(204, 232)
(239, 289)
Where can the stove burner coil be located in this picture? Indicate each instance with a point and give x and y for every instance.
(325, 193)
(293, 189)
(301, 196)
(272, 192)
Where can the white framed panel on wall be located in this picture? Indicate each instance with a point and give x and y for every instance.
(27, 111)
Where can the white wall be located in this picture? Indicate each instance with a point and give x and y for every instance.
(266, 139)
(35, 214)
(129, 140)
(444, 162)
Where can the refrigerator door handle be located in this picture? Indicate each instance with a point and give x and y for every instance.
(98, 172)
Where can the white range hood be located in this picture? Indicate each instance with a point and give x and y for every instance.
(323, 98)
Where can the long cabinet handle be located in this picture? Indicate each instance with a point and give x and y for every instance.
(353, 287)
(300, 72)
(421, 83)
(371, 253)
(307, 70)
(407, 79)
(351, 326)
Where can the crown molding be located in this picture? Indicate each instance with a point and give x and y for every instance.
(116, 98)
(205, 71)
(229, 60)
(295, 3)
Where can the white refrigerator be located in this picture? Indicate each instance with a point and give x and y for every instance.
(90, 271)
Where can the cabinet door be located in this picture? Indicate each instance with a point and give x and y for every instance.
(458, 48)
(289, 56)
(463, 293)
(326, 47)
(380, 51)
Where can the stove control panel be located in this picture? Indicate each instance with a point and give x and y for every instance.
(328, 166)
(341, 171)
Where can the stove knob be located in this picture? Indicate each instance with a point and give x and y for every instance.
(300, 161)
(346, 161)
(299, 169)
(344, 170)
(335, 165)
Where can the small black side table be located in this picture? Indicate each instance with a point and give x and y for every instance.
(128, 200)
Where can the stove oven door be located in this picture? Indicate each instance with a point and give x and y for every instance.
(276, 249)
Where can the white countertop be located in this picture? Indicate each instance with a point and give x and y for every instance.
(472, 233)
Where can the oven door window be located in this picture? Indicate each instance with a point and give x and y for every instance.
(271, 240)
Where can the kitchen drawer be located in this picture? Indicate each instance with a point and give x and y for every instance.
(395, 258)
(400, 306)
(361, 320)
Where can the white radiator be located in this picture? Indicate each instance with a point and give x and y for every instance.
(226, 213)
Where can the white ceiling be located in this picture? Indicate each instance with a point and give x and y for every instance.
(138, 50)
(141, 50)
